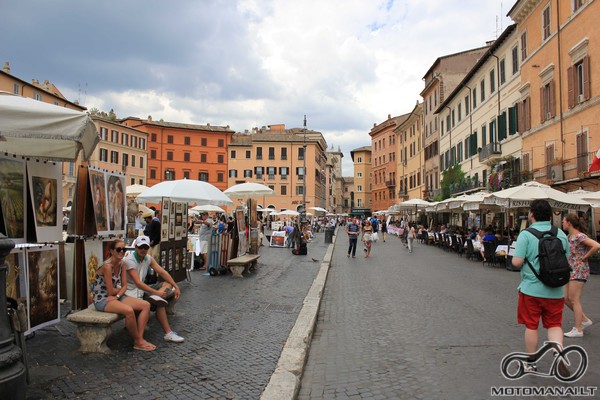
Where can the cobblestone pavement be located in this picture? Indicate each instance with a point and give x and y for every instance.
(235, 330)
(426, 325)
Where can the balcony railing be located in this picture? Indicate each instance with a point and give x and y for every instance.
(465, 186)
(402, 192)
(488, 150)
(390, 183)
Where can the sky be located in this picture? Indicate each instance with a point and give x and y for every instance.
(345, 64)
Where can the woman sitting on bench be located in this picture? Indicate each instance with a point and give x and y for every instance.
(109, 296)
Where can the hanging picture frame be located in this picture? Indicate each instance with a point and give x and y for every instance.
(13, 203)
(93, 260)
(16, 280)
(98, 188)
(43, 291)
(45, 188)
(115, 184)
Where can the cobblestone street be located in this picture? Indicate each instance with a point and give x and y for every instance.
(426, 325)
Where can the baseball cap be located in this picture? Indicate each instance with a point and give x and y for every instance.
(142, 241)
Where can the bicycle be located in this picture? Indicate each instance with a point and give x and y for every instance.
(523, 360)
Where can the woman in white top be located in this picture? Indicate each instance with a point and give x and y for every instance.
(410, 236)
(367, 237)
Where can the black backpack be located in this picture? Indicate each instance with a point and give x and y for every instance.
(554, 266)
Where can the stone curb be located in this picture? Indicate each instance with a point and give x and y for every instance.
(285, 381)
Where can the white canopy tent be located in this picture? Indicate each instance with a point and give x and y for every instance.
(522, 195)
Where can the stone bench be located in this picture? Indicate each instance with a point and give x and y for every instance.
(93, 328)
(242, 264)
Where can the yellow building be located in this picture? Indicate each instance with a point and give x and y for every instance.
(276, 157)
(361, 200)
(347, 195)
(334, 181)
(411, 162)
(559, 46)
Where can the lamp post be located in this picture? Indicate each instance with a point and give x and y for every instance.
(303, 211)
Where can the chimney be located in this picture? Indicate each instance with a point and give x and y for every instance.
(35, 82)
(149, 117)
(207, 124)
(6, 67)
(389, 116)
(47, 84)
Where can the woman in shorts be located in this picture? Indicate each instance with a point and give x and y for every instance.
(582, 248)
(109, 296)
(367, 237)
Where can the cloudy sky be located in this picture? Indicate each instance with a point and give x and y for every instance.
(346, 64)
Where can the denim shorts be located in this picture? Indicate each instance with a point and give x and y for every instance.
(101, 305)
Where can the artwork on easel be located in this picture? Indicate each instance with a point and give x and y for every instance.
(185, 221)
(164, 224)
(45, 184)
(93, 260)
(177, 258)
(43, 275)
(116, 203)
(98, 189)
(16, 279)
(13, 202)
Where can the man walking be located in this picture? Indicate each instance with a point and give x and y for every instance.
(537, 300)
(152, 230)
(352, 229)
(204, 235)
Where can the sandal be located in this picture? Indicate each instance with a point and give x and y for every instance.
(145, 347)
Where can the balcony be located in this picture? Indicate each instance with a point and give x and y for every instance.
(390, 184)
(465, 186)
(489, 150)
(402, 192)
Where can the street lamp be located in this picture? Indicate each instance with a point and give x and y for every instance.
(303, 211)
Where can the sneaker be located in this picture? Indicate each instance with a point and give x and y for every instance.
(530, 367)
(365, 250)
(586, 324)
(173, 337)
(574, 333)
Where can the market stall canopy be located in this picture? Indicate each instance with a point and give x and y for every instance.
(249, 189)
(524, 194)
(417, 204)
(205, 208)
(134, 190)
(34, 129)
(287, 212)
(590, 197)
(320, 209)
(185, 191)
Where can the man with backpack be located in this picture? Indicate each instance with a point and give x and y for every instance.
(541, 262)
(375, 225)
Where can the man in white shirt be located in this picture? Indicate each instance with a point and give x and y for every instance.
(204, 236)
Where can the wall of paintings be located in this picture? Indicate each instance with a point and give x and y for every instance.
(108, 197)
(173, 242)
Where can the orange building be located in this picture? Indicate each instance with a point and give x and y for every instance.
(383, 168)
(361, 202)
(178, 151)
(559, 49)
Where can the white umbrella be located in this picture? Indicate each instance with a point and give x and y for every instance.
(206, 208)
(288, 212)
(134, 190)
(185, 191)
(321, 209)
(522, 195)
(31, 128)
(249, 189)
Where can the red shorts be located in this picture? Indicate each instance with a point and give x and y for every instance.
(530, 309)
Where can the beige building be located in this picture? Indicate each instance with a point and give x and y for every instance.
(479, 120)
(334, 181)
(276, 157)
(361, 158)
(347, 195)
(441, 79)
(411, 162)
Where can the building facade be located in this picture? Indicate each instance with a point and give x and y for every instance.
(334, 181)
(276, 157)
(411, 161)
(361, 158)
(347, 194)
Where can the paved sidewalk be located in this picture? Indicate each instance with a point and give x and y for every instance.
(426, 325)
(235, 330)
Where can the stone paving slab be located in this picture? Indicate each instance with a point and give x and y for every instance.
(235, 330)
(426, 325)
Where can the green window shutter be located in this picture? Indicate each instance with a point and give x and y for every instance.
(502, 126)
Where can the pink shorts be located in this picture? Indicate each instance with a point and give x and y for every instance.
(530, 309)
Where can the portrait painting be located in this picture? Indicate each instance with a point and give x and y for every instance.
(16, 279)
(44, 293)
(12, 198)
(164, 227)
(116, 203)
(98, 188)
(172, 228)
(45, 183)
(178, 233)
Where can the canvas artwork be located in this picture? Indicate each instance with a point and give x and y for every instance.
(93, 260)
(179, 207)
(178, 233)
(45, 183)
(163, 257)
(98, 188)
(164, 227)
(177, 258)
(172, 212)
(172, 228)
(170, 257)
(44, 293)
(12, 198)
(16, 279)
(116, 203)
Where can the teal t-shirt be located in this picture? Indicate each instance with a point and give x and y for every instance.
(527, 247)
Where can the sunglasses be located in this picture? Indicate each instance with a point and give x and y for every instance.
(143, 247)
(120, 249)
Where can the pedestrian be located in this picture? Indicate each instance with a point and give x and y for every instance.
(204, 235)
(138, 262)
(109, 290)
(410, 235)
(352, 230)
(537, 300)
(152, 230)
(65, 221)
(582, 247)
(383, 229)
(367, 237)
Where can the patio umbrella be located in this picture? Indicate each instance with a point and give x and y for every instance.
(288, 212)
(31, 128)
(522, 195)
(591, 197)
(321, 209)
(185, 191)
(249, 189)
(134, 190)
(206, 208)
(415, 204)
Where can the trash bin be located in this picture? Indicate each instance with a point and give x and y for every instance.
(329, 235)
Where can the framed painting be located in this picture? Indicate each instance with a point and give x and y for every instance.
(94, 257)
(13, 202)
(45, 183)
(98, 188)
(116, 203)
(44, 292)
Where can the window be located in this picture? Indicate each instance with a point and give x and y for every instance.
(271, 153)
(299, 190)
(103, 133)
(515, 60)
(523, 46)
(186, 157)
(232, 154)
(547, 101)
(15, 88)
(492, 81)
(103, 155)
(186, 174)
(202, 157)
(482, 90)
(513, 116)
(233, 173)
(153, 154)
(187, 141)
(358, 160)
(271, 172)
(203, 142)
(284, 153)
(359, 188)
(37, 96)
(474, 98)
(141, 162)
(467, 105)
(300, 173)
(134, 141)
(169, 155)
(219, 177)
(220, 158)
(359, 202)
(114, 157)
(259, 153)
(203, 176)
(549, 160)
(577, 4)
(525, 162)
(125, 159)
(284, 190)
(169, 175)
(258, 171)
(132, 160)
(153, 137)
(582, 152)
(453, 119)
(124, 139)
(483, 135)
(247, 173)
(546, 23)
(502, 72)
(359, 174)
(221, 143)
(114, 136)
(248, 154)
(579, 82)
(142, 143)
(301, 153)
(283, 172)
(459, 112)
(459, 152)
(170, 139)
(152, 173)
(524, 115)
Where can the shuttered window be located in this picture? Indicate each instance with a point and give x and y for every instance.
(582, 152)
